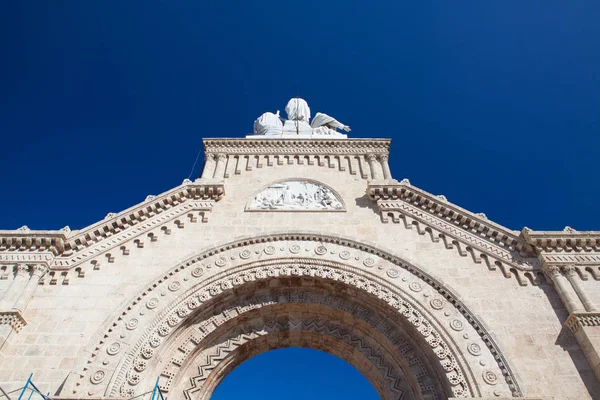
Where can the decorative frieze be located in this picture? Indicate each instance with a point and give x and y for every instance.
(297, 146)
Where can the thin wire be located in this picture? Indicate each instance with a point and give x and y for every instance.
(195, 162)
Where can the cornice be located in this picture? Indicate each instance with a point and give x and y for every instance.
(402, 200)
(297, 146)
(566, 240)
(24, 245)
(52, 242)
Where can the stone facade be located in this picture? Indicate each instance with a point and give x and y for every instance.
(301, 242)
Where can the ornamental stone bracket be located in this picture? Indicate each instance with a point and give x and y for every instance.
(13, 318)
(208, 189)
(586, 329)
(582, 319)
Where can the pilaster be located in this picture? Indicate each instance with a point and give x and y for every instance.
(209, 166)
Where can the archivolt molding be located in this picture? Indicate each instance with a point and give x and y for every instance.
(298, 310)
(357, 349)
(427, 305)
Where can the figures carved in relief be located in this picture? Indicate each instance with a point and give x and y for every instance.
(296, 195)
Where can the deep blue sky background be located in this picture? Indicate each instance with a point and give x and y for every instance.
(494, 104)
(313, 374)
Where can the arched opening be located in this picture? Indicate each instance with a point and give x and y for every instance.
(308, 312)
(295, 373)
(400, 328)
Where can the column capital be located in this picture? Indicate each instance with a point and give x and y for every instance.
(22, 269)
(569, 270)
(551, 271)
(209, 156)
(221, 156)
(371, 157)
(39, 270)
(384, 157)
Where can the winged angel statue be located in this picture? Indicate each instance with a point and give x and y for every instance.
(297, 122)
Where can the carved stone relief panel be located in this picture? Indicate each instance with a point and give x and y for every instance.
(296, 195)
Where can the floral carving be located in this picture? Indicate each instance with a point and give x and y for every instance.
(369, 262)
(174, 286)
(295, 249)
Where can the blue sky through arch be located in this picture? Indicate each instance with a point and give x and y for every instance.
(295, 374)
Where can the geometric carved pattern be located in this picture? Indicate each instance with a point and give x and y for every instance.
(351, 342)
(259, 310)
(454, 375)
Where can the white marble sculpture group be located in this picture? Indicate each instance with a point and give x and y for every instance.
(297, 123)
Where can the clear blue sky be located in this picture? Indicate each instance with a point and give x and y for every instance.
(494, 104)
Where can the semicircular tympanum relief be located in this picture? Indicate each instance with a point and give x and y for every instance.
(296, 195)
(408, 335)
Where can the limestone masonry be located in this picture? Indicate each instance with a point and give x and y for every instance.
(299, 236)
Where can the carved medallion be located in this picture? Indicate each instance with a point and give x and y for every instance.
(369, 262)
(437, 304)
(456, 324)
(490, 378)
(97, 377)
(270, 250)
(152, 303)
(393, 273)
(114, 348)
(244, 255)
(474, 349)
(321, 250)
(132, 324)
(197, 272)
(345, 255)
(220, 262)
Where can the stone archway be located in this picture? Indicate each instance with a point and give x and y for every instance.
(403, 330)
